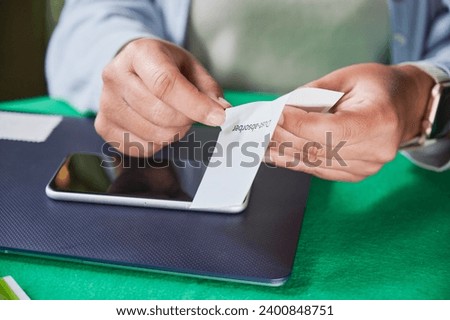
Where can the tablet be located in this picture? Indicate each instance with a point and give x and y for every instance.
(157, 182)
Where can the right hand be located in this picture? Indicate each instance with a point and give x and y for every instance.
(154, 91)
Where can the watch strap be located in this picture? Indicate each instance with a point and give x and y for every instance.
(429, 126)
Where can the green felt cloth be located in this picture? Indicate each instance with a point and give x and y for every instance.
(43, 105)
(384, 238)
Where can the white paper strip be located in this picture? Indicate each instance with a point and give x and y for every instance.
(27, 127)
(242, 143)
(14, 286)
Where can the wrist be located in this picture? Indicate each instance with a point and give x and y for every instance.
(415, 100)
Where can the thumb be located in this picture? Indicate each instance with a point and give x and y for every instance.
(326, 82)
(336, 81)
(343, 79)
(204, 82)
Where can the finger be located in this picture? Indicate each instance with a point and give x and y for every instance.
(163, 78)
(332, 149)
(123, 140)
(150, 107)
(356, 167)
(320, 172)
(200, 78)
(347, 126)
(333, 81)
(125, 117)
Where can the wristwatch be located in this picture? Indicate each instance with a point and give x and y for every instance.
(436, 121)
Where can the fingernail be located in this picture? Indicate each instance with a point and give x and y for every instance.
(216, 117)
(224, 102)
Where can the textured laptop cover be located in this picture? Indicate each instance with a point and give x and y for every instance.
(257, 245)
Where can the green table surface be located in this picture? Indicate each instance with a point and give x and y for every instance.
(387, 237)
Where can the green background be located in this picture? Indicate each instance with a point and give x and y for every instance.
(386, 237)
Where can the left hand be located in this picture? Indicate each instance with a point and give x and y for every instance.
(383, 106)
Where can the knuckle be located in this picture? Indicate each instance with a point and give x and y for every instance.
(320, 151)
(391, 154)
(387, 155)
(109, 73)
(111, 106)
(346, 130)
(152, 44)
(140, 45)
(297, 126)
(133, 45)
(312, 152)
(163, 83)
(101, 126)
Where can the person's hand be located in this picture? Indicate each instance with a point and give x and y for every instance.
(382, 107)
(152, 93)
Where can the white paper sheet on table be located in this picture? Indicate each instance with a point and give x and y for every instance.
(243, 141)
(27, 127)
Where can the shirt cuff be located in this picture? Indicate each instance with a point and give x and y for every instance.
(438, 74)
(435, 157)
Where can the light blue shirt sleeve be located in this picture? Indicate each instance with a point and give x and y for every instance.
(91, 32)
(421, 32)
